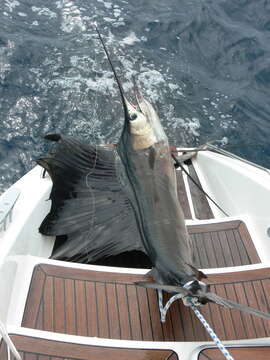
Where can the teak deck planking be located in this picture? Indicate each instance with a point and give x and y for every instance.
(239, 353)
(110, 305)
(222, 244)
(201, 206)
(31, 348)
(200, 202)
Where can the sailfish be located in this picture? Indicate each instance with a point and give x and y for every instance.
(107, 200)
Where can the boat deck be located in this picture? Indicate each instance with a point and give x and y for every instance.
(222, 244)
(31, 348)
(194, 203)
(216, 244)
(43, 349)
(239, 353)
(76, 300)
(109, 305)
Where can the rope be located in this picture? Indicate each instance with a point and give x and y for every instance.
(10, 346)
(164, 309)
(211, 332)
(192, 302)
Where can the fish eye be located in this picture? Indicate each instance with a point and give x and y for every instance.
(133, 116)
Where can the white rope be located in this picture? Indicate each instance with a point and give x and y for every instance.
(10, 346)
(192, 302)
(211, 332)
(164, 309)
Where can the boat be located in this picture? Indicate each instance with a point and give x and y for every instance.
(138, 250)
(55, 309)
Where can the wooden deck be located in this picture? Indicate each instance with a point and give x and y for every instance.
(239, 353)
(222, 244)
(200, 203)
(110, 305)
(41, 349)
(182, 194)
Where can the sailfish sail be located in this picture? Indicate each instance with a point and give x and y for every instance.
(90, 205)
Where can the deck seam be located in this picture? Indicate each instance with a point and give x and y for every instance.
(86, 309)
(229, 246)
(244, 242)
(139, 313)
(251, 317)
(240, 312)
(148, 305)
(255, 293)
(129, 319)
(107, 310)
(206, 252)
(41, 302)
(75, 306)
(95, 287)
(212, 242)
(118, 311)
(231, 315)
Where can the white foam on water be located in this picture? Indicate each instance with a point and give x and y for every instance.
(107, 4)
(5, 54)
(103, 84)
(11, 4)
(71, 17)
(224, 141)
(192, 126)
(186, 127)
(153, 82)
(130, 39)
(23, 109)
(114, 22)
(228, 124)
(189, 126)
(175, 89)
(116, 12)
(44, 11)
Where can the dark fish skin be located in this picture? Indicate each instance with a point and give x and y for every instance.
(149, 167)
(152, 157)
(158, 211)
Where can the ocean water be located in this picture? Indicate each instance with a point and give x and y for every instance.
(205, 64)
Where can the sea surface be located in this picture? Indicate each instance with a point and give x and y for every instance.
(205, 64)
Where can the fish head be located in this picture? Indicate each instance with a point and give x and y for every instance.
(143, 127)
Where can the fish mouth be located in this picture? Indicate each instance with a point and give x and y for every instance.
(138, 95)
(140, 130)
(136, 125)
(132, 109)
(135, 108)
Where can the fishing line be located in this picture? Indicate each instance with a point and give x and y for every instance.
(198, 185)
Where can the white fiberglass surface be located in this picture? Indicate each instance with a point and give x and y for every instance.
(240, 189)
(21, 236)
